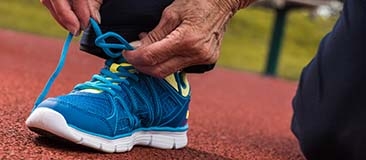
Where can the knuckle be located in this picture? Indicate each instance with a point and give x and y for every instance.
(99, 1)
(213, 58)
(161, 75)
(44, 2)
(169, 14)
(65, 20)
(153, 36)
(190, 42)
(206, 55)
(163, 71)
(149, 58)
(95, 4)
(199, 48)
(158, 72)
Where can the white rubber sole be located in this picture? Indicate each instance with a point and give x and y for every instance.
(45, 119)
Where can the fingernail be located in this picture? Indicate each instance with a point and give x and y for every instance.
(76, 33)
(99, 19)
(96, 16)
(135, 44)
(83, 27)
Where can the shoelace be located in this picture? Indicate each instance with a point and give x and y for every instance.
(106, 80)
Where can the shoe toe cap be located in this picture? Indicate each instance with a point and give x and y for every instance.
(80, 117)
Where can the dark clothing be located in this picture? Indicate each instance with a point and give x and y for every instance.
(125, 17)
(129, 18)
(330, 104)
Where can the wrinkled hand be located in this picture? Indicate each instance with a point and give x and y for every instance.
(189, 33)
(74, 15)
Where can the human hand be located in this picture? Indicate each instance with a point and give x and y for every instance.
(74, 15)
(189, 33)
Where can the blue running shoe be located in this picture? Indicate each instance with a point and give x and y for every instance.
(117, 109)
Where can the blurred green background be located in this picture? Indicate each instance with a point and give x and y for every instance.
(245, 45)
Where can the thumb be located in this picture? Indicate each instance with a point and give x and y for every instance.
(94, 6)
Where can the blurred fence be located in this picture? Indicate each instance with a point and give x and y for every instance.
(282, 8)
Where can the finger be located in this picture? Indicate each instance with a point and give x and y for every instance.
(166, 68)
(82, 12)
(177, 63)
(169, 21)
(94, 7)
(49, 6)
(159, 51)
(186, 59)
(65, 15)
(173, 65)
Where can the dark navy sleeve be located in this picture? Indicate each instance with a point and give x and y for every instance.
(330, 104)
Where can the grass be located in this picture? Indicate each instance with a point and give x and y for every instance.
(28, 16)
(245, 43)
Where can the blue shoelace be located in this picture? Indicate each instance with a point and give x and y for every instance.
(106, 80)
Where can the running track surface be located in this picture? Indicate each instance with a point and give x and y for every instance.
(233, 115)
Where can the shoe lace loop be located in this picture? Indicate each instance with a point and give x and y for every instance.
(100, 41)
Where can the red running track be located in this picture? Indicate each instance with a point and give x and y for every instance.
(233, 115)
